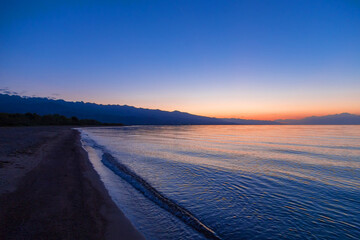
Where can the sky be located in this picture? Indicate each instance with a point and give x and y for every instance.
(245, 59)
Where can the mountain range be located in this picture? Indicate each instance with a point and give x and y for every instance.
(335, 119)
(140, 116)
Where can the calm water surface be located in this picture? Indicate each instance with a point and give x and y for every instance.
(240, 182)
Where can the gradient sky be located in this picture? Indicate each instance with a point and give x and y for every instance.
(247, 59)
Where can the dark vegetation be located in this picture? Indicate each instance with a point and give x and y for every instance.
(33, 119)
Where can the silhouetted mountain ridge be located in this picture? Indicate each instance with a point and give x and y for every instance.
(335, 119)
(104, 113)
(130, 115)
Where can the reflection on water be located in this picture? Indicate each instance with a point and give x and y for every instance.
(244, 182)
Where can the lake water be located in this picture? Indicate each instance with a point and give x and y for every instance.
(232, 182)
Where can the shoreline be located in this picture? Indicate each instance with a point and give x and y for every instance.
(50, 189)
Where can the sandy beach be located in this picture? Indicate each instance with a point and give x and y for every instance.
(49, 189)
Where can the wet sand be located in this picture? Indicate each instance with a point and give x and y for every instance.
(49, 189)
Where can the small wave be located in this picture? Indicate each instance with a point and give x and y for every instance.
(154, 195)
(147, 190)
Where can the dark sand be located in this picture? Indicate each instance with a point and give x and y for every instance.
(49, 189)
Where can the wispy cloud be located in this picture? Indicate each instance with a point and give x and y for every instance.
(6, 90)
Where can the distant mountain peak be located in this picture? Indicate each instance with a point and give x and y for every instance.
(333, 119)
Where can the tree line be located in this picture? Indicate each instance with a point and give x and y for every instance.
(33, 119)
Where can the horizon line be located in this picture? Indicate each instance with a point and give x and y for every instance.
(278, 120)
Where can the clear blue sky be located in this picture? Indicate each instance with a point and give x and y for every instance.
(252, 59)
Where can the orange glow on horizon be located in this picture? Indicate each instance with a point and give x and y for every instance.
(270, 116)
(252, 110)
(277, 116)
